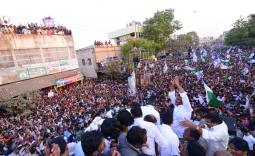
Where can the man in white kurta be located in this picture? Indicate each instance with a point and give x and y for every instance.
(173, 141)
(182, 107)
(216, 135)
(153, 134)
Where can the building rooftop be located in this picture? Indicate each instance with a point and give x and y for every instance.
(131, 28)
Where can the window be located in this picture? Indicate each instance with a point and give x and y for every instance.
(89, 60)
(83, 62)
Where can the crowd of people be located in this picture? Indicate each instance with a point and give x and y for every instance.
(168, 115)
(32, 28)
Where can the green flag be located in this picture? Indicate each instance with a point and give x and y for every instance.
(211, 98)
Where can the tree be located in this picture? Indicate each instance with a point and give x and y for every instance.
(159, 27)
(242, 33)
(113, 70)
(183, 42)
(24, 103)
(194, 37)
(140, 45)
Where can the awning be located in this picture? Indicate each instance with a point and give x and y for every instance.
(69, 80)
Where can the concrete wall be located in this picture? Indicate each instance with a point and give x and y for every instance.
(29, 56)
(97, 55)
(102, 53)
(87, 62)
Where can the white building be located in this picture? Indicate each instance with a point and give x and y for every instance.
(132, 31)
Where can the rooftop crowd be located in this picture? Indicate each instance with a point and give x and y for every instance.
(168, 116)
(32, 28)
(102, 44)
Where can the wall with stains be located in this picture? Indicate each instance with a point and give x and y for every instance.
(25, 56)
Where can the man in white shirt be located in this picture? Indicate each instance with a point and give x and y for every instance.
(169, 135)
(216, 135)
(149, 109)
(248, 138)
(78, 149)
(182, 106)
(153, 134)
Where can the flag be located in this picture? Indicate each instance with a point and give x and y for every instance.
(245, 71)
(214, 56)
(228, 56)
(132, 84)
(226, 78)
(139, 65)
(48, 22)
(215, 60)
(165, 68)
(151, 65)
(186, 62)
(188, 68)
(223, 66)
(247, 56)
(251, 56)
(203, 56)
(199, 74)
(225, 61)
(252, 61)
(210, 97)
(145, 68)
(177, 68)
(229, 50)
(194, 59)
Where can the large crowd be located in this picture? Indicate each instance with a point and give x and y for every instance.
(168, 115)
(32, 28)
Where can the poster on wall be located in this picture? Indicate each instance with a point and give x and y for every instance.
(35, 72)
(53, 67)
(68, 64)
(53, 70)
(73, 64)
(63, 65)
(63, 62)
(23, 74)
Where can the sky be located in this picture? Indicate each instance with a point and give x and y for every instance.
(92, 20)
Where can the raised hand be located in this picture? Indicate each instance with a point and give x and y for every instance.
(177, 80)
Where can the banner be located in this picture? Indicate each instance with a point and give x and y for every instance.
(48, 22)
(132, 84)
(23, 74)
(60, 83)
(69, 80)
(54, 70)
(36, 72)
